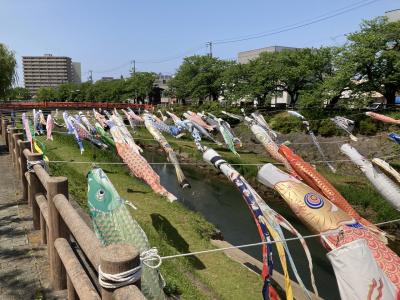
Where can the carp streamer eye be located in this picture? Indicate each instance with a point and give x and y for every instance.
(100, 195)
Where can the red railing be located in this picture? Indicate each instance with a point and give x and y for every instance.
(51, 104)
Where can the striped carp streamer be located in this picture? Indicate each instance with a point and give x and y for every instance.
(210, 119)
(28, 133)
(113, 224)
(227, 134)
(321, 216)
(320, 184)
(382, 118)
(163, 118)
(100, 118)
(136, 163)
(346, 125)
(149, 123)
(268, 222)
(84, 134)
(382, 183)
(313, 137)
(233, 116)
(257, 117)
(49, 127)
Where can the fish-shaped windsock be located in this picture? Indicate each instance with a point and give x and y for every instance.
(269, 144)
(228, 137)
(136, 163)
(346, 125)
(394, 137)
(125, 134)
(174, 117)
(202, 131)
(100, 118)
(164, 118)
(269, 224)
(198, 120)
(148, 122)
(387, 169)
(233, 116)
(35, 121)
(113, 224)
(313, 138)
(85, 121)
(322, 216)
(28, 133)
(49, 127)
(72, 130)
(84, 134)
(137, 119)
(41, 121)
(104, 136)
(130, 120)
(210, 119)
(319, 183)
(355, 258)
(259, 119)
(382, 118)
(382, 183)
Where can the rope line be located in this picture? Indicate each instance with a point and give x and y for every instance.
(264, 243)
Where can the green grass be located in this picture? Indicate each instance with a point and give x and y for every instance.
(170, 227)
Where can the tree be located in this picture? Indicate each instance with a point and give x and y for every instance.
(236, 82)
(374, 51)
(7, 70)
(140, 84)
(18, 93)
(46, 94)
(293, 71)
(199, 78)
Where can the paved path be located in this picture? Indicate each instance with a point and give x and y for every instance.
(23, 261)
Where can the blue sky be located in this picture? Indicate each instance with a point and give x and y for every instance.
(106, 35)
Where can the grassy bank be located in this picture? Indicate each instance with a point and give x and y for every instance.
(170, 227)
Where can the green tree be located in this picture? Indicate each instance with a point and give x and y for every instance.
(374, 52)
(140, 85)
(46, 94)
(18, 93)
(236, 82)
(199, 77)
(292, 71)
(7, 70)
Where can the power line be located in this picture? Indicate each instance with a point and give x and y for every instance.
(298, 24)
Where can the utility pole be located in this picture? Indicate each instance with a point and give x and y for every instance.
(133, 62)
(209, 45)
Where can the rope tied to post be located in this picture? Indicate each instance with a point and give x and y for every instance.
(114, 281)
(32, 163)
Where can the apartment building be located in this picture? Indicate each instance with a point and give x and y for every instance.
(49, 71)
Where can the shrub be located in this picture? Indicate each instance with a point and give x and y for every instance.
(368, 127)
(327, 128)
(285, 123)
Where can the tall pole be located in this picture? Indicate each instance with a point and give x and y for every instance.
(133, 62)
(209, 45)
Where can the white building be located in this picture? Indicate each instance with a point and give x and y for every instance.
(393, 15)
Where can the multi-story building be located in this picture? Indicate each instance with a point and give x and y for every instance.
(393, 15)
(246, 56)
(48, 71)
(76, 72)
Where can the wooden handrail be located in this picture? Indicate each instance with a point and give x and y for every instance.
(80, 281)
(54, 215)
(84, 236)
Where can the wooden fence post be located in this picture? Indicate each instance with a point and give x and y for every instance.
(115, 259)
(57, 229)
(8, 139)
(23, 167)
(4, 130)
(16, 138)
(35, 186)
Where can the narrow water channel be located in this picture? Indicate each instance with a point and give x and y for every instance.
(222, 205)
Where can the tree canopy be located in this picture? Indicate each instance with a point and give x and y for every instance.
(8, 66)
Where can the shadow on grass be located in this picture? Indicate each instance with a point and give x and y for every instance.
(172, 236)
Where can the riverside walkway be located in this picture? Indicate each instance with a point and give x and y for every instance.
(23, 261)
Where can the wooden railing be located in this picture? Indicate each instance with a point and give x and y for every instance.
(61, 227)
(72, 105)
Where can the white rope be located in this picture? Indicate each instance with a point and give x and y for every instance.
(114, 281)
(206, 164)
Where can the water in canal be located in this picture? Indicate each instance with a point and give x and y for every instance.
(222, 205)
